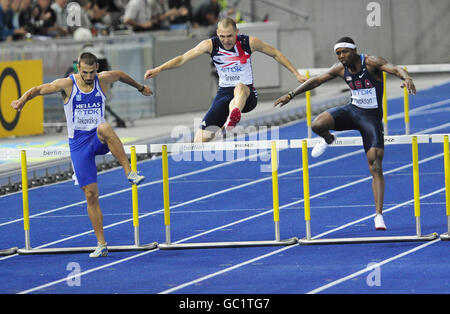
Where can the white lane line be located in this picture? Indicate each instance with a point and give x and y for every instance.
(184, 285)
(373, 266)
(225, 226)
(424, 131)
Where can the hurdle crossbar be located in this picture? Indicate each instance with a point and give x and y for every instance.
(356, 141)
(87, 249)
(355, 240)
(60, 152)
(56, 152)
(247, 145)
(225, 244)
(217, 146)
(10, 251)
(444, 138)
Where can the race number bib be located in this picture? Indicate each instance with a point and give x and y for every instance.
(87, 117)
(365, 98)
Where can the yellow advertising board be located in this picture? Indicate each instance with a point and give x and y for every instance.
(16, 77)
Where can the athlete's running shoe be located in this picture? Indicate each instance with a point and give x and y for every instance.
(135, 178)
(233, 119)
(100, 251)
(321, 147)
(379, 222)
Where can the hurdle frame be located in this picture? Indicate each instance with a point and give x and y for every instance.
(28, 250)
(10, 251)
(357, 141)
(444, 139)
(231, 145)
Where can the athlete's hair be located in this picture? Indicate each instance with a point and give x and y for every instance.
(226, 22)
(346, 40)
(88, 58)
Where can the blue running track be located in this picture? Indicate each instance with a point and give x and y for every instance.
(231, 200)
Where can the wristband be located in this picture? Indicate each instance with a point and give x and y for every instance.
(140, 90)
(290, 95)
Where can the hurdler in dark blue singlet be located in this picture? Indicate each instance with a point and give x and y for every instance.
(365, 112)
(233, 66)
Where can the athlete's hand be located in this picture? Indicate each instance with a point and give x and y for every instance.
(301, 78)
(147, 91)
(151, 74)
(17, 104)
(283, 100)
(409, 84)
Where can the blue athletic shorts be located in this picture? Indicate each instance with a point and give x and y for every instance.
(367, 121)
(218, 112)
(83, 149)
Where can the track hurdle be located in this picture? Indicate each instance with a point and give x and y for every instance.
(221, 146)
(65, 152)
(357, 141)
(444, 138)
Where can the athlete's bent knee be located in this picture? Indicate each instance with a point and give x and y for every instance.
(322, 123)
(242, 88)
(318, 126)
(104, 128)
(104, 131)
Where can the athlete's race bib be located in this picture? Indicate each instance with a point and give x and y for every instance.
(87, 116)
(365, 98)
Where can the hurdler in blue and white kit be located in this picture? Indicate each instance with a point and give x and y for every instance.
(89, 133)
(84, 113)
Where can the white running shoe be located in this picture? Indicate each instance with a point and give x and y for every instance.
(379, 222)
(320, 147)
(100, 251)
(135, 178)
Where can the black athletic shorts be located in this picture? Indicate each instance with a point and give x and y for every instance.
(367, 121)
(218, 112)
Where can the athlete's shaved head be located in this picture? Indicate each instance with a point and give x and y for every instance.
(227, 22)
(227, 32)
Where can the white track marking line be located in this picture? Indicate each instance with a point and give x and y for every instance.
(362, 271)
(203, 233)
(424, 131)
(184, 285)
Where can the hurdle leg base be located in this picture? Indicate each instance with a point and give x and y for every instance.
(87, 249)
(9, 251)
(445, 236)
(206, 245)
(429, 237)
